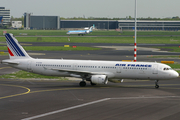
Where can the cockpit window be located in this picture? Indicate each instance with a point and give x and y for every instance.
(167, 69)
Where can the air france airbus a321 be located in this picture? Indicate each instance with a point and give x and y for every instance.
(97, 72)
(81, 32)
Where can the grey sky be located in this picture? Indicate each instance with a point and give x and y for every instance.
(94, 8)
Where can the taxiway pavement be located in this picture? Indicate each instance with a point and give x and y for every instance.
(52, 100)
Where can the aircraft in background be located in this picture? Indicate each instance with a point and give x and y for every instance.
(96, 72)
(81, 32)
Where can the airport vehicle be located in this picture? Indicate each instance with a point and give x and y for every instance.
(81, 32)
(97, 72)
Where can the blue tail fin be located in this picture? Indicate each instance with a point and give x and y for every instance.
(15, 50)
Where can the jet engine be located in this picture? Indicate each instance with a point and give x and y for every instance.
(87, 31)
(99, 79)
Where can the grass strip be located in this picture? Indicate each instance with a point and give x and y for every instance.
(25, 75)
(171, 49)
(174, 66)
(145, 40)
(94, 33)
(53, 48)
(164, 56)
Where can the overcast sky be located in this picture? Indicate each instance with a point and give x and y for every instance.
(94, 8)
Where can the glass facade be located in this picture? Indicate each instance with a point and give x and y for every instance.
(6, 15)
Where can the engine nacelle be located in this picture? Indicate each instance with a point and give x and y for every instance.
(87, 31)
(99, 79)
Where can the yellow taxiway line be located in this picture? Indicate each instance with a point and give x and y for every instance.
(5, 67)
(28, 90)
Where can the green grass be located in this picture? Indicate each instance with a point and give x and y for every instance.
(146, 40)
(164, 56)
(174, 66)
(94, 33)
(53, 48)
(171, 49)
(23, 75)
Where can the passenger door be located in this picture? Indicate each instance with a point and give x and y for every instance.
(118, 69)
(155, 69)
(74, 66)
(29, 65)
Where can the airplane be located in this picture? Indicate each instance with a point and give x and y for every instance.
(81, 32)
(96, 72)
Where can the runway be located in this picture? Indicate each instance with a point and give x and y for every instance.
(52, 100)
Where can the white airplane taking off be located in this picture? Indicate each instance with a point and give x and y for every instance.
(81, 32)
(97, 72)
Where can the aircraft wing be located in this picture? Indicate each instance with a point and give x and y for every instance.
(78, 72)
(81, 73)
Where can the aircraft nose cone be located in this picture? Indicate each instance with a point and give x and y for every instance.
(176, 74)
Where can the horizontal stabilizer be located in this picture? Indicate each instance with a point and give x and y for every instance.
(9, 62)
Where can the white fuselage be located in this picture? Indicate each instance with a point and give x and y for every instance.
(112, 69)
(79, 32)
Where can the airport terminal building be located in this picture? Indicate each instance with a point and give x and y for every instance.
(5, 14)
(41, 22)
(54, 23)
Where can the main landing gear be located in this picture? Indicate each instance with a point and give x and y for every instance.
(82, 83)
(156, 84)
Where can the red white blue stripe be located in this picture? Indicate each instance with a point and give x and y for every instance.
(13, 47)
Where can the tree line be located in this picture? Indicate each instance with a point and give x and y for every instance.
(127, 18)
(103, 18)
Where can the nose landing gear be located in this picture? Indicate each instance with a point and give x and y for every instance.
(156, 84)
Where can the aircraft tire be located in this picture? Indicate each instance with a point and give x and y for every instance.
(156, 86)
(82, 84)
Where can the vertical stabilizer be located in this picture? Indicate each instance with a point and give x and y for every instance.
(16, 51)
(91, 29)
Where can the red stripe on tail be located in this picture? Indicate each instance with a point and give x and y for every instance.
(10, 52)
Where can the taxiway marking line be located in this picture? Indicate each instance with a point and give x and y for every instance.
(66, 109)
(58, 89)
(144, 97)
(98, 101)
(15, 94)
(5, 67)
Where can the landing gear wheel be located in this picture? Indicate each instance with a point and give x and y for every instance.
(82, 84)
(157, 86)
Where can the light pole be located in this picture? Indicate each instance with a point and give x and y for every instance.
(135, 49)
(108, 23)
